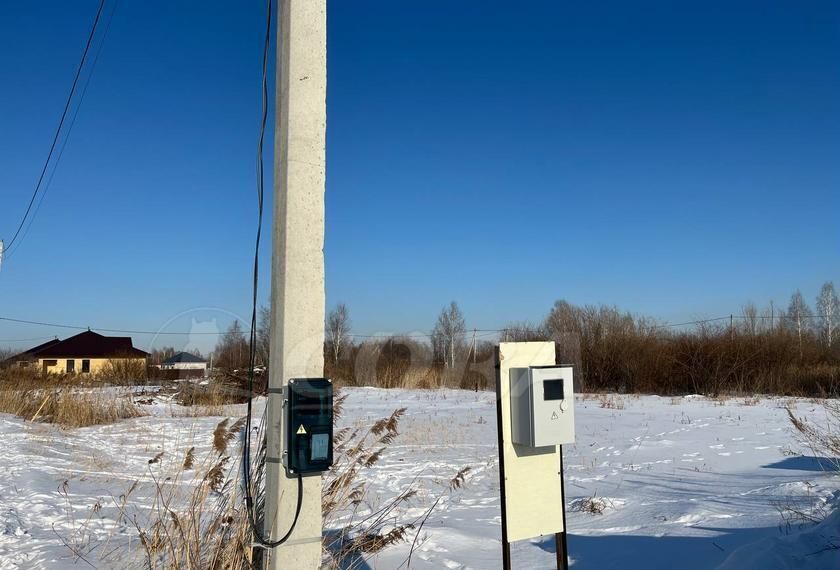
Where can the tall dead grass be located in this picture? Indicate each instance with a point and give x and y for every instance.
(193, 518)
(356, 523)
(198, 520)
(208, 399)
(822, 439)
(60, 401)
(123, 370)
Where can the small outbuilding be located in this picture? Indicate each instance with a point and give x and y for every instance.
(185, 361)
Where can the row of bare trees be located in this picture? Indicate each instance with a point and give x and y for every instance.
(791, 350)
(408, 360)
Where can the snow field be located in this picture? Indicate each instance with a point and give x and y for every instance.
(690, 479)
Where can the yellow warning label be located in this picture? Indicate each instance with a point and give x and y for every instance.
(301, 430)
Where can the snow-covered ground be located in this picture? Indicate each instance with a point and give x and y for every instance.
(684, 482)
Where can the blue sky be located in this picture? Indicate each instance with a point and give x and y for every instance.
(674, 159)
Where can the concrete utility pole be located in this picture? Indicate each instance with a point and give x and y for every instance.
(297, 279)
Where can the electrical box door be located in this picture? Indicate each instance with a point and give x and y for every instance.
(542, 403)
(309, 426)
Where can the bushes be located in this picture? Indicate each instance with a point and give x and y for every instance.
(402, 362)
(208, 399)
(215, 393)
(619, 352)
(123, 370)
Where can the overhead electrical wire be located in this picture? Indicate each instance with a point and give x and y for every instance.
(70, 125)
(58, 130)
(26, 339)
(101, 329)
(384, 335)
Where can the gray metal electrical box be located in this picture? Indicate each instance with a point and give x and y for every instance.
(542, 405)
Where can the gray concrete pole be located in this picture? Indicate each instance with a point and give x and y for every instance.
(297, 279)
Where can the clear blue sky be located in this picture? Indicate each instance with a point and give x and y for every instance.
(676, 159)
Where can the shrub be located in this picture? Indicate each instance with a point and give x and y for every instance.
(213, 394)
(123, 370)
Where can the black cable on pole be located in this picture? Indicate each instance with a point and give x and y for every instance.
(60, 123)
(252, 348)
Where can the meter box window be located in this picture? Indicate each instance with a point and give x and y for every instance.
(309, 426)
(542, 404)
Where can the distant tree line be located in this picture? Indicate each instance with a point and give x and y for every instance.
(790, 350)
(781, 351)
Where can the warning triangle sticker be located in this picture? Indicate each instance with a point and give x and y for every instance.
(554, 416)
(301, 430)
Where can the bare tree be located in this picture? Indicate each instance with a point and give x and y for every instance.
(750, 312)
(159, 355)
(338, 329)
(6, 353)
(448, 334)
(562, 319)
(231, 352)
(828, 309)
(523, 332)
(798, 312)
(768, 317)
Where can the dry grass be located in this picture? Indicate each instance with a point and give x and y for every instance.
(205, 527)
(194, 519)
(210, 394)
(357, 525)
(123, 371)
(60, 401)
(198, 519)
(611, 401)
(822, 440)
(211, 399)
(824, 443)
(591, 505)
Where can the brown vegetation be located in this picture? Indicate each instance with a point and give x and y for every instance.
(214, 394)
(615, 351)
(61, 401)
(198, 519)
(123, 371)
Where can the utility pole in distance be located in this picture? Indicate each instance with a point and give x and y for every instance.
(297, 277)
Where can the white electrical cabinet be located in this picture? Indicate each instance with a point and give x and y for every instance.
(542, 403)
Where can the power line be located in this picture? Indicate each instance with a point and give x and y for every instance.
(26, 339)
(123, 331)
(700, 322)
(60, 124)
(384, 336)
(72, 122)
